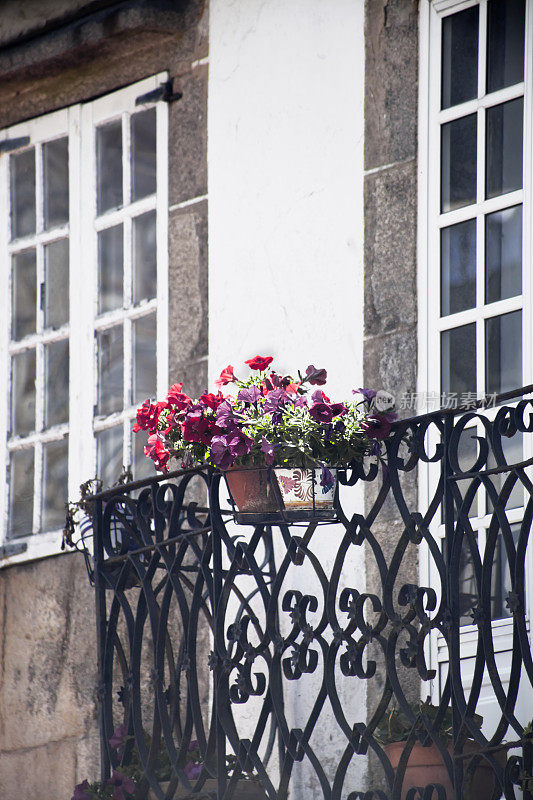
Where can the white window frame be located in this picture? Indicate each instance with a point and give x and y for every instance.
(78, 122)
(428, 256)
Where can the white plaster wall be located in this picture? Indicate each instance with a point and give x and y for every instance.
(285, 161)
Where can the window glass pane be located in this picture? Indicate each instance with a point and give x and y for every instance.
(467, 453)
(504, 147)
(143, 467)
(56, 283)
(458, 267)
(109, 455)
(23, 393)
(55, 173)
(110, 370)
(56, 382)
(503, 352)
(458, 360)
(503, 231)
(513, 451)
(143, 154)
(21, 465)
(144, 257)
(24, 294)
(109, 166)
(22, 193)
(501, 583)
(459, 149)
(110, 269)
(459, 56)
(505, 43)
(144, 371)
(55, 484)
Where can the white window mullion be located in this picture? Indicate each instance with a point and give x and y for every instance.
(162, 248)
(126, 159)
(5, 317)
(482, 50)
(37, 485)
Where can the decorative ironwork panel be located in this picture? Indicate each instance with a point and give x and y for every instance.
(238, 658)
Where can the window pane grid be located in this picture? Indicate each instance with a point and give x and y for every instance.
(499, 137)
(137, 220)
(25, 443)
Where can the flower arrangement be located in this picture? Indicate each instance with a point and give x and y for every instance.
(125, 779)
(265, 419)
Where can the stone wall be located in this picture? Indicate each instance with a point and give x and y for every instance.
(48, 727)
(390, 341)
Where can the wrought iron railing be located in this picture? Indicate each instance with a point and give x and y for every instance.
(264, 644)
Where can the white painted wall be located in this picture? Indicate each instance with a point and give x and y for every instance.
(285, 162)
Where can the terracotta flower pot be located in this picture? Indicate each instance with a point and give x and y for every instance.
(425, 765)
(245, 790)
(253, 490)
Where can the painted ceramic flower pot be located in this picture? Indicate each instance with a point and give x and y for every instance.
(301, 489)
(425, 766)
(245, 790)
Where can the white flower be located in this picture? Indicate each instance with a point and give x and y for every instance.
(384, 401)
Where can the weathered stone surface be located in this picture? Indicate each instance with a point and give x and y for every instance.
(391, 75)
(48, 653)
(188, 139)
(46, 773)
(57, 76)
(390, 361)
(390, 348)
(390, 250)
(188, 295)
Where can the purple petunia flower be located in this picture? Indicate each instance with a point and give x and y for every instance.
(249, 395)
(122, 785)
(368, 394)
(81, 791)
(268, 450)
(227, 448)
(275, 402)
(377, 426)
(225, 415)
(192, 770)
(118, 737)
(324, 412)
(326, 478)
(316, 377)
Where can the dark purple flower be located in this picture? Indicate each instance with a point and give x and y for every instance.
(326, 478)
(192, 770)
(249, 395)
(368, 394)
(324, 412)
(300, 401)
(316, 377)
(118, 737)
(238, 443)
(339, 426)
(122, 785)
(81, 791)
(268, 450)
(193, 745)
(376, 426)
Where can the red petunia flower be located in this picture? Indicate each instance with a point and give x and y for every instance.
(226, 376)
(176, 397)
(148, 416)
(155, 449)
(259, 362)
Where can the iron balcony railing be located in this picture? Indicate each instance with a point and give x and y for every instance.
(291, 655)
